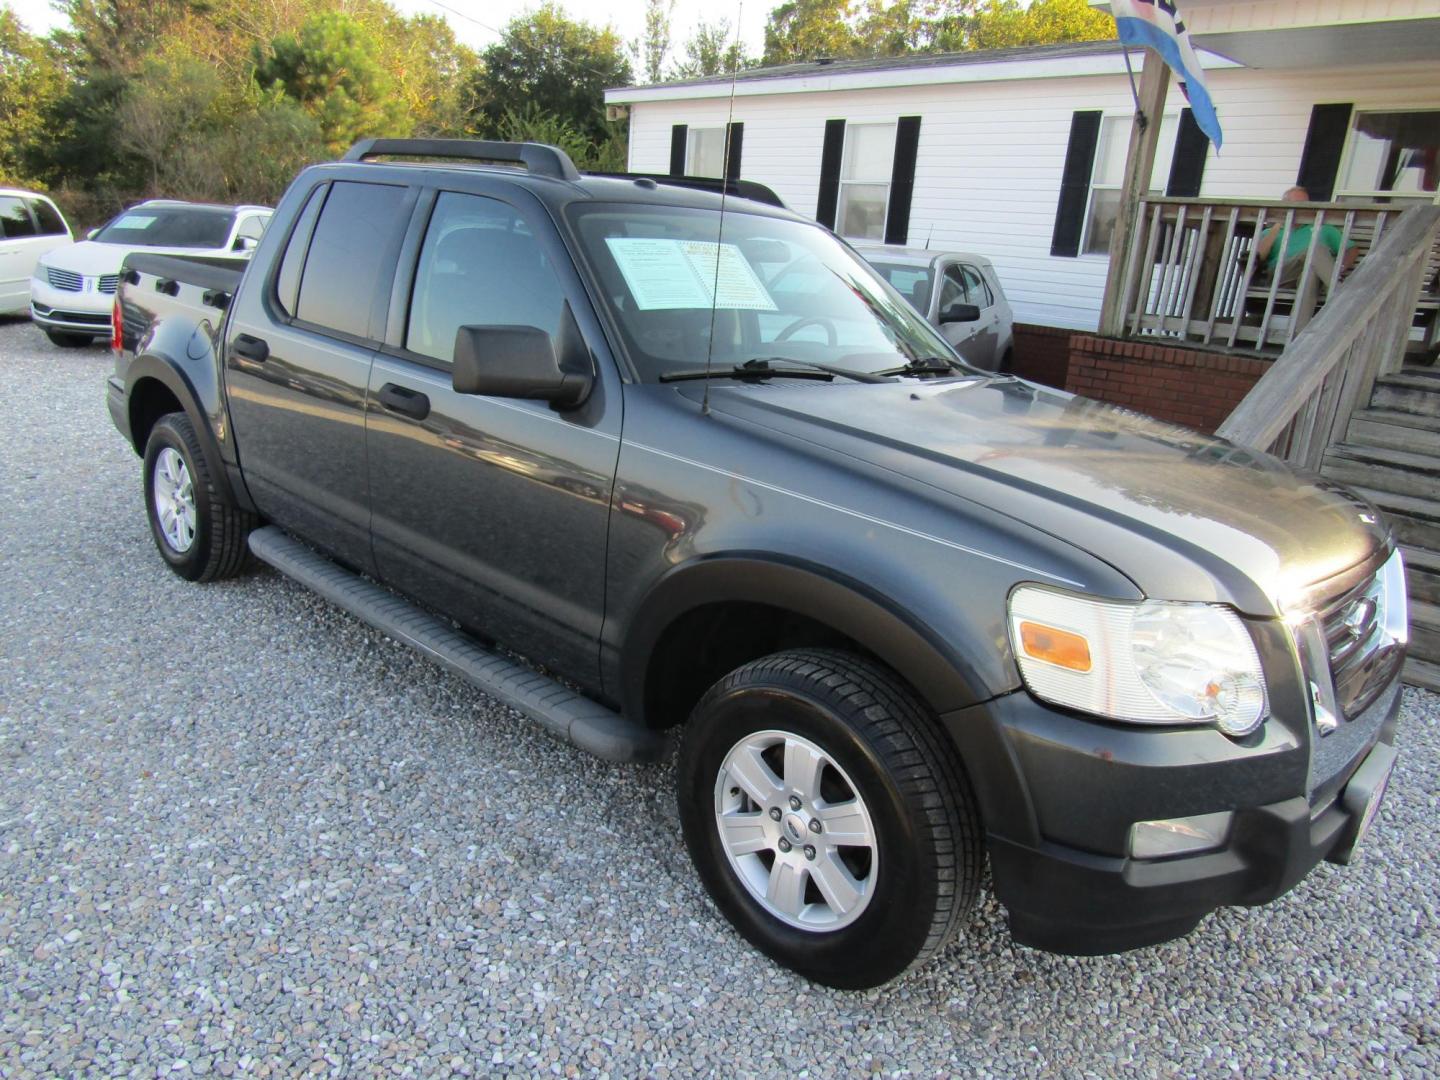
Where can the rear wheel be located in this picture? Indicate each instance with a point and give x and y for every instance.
(828, 816)
(66, 340)
(200, 532)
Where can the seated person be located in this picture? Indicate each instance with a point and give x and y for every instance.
(1297, 246)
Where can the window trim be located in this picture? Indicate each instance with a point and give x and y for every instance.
(1347, 153)
(841, 183)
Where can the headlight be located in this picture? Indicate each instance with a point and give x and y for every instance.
(1147, 662)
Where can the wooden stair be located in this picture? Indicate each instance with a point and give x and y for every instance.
(1391, 455)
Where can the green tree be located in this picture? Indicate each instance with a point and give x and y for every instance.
(713, 49)
(32, 81)
(561, 66)
(654, 45)
(1006, 24)
(803, 30)
(332, 68)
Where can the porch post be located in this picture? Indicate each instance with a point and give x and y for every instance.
(1139, 163)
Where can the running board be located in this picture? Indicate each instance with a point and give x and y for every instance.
(559, 710)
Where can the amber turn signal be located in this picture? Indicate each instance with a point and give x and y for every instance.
(1058, 647)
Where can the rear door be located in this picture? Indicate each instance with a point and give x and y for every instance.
(493, 510)
(299, 346)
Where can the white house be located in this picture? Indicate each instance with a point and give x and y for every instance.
(1018, 154)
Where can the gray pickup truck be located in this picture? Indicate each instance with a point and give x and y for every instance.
(654, 460)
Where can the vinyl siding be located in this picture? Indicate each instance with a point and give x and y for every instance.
(988, 171)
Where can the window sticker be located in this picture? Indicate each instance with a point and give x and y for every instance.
(135, 221)
(688, 274)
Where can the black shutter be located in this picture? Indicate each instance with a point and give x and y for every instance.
(678, 135)
(735, 138)
(830, 172)
(1187, 167)
(1075, 183)
(1324, 143)
(902, 180)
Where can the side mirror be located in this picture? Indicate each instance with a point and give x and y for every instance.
(246, 243)
(523, 362)
(958, 312)
(92, 233)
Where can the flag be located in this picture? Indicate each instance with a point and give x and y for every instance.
(1155, 24)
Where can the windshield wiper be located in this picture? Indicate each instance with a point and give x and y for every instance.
(833, 369)
(751, 369)
(925, 365)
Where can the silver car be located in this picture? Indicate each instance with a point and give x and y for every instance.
(958, 293)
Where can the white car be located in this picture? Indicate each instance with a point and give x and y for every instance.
(959, 293)
(30, 226)
(73, 288)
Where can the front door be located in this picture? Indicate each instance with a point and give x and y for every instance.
(298, 364)
(975, 341)
(493, 510)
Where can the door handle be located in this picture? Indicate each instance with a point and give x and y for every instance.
(251, 348)
(405, 401)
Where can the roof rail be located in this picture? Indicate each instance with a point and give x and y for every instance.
(539, 158)
(743, 189)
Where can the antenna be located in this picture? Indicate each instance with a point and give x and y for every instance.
(724, 190)
(928, 235)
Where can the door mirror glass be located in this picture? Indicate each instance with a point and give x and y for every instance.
(91, 234)
(520, 362)
(246, 243)
(960, 312)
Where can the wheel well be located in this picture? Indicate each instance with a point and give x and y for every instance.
(150, 399)
(712, 640)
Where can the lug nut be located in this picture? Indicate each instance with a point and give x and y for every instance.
(774, 813)
(810, 852)
(794, 802)
(815, 825)
(784, 844)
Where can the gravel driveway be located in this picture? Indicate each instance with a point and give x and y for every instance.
(242, 834)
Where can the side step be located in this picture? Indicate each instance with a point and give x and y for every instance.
(559, 710)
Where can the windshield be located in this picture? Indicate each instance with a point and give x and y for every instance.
(911, 282)
(169, 226)
(783, 290)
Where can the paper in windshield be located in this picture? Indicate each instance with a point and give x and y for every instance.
(684, 274)
(135, 221)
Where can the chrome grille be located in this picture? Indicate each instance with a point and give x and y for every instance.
(1363, 658)
(109, 283)
(65, 280)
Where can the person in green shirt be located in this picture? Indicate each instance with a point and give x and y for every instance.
(1290, 256)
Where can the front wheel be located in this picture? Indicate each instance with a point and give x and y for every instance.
(201, 532)
(828, 816)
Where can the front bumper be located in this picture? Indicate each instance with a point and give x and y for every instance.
(1060, 794)
(86, 312)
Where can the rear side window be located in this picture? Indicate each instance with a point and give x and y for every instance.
(343, 265)
(479, 266)
(15, 220)
(287, 281)
(51, 223)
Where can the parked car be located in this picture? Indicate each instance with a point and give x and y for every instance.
(903, 614)
(958, 293)
(72, 289)
(30, 226)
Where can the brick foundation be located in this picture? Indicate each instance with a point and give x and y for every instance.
(1183, 386)
(1042, 353)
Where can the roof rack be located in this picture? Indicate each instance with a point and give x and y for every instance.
(743, 189)
(537, 157)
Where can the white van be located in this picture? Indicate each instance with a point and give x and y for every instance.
(30, 225)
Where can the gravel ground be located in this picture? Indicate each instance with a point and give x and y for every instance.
(242, 834)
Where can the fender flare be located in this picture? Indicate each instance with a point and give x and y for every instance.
(178, 382)
(934, 666)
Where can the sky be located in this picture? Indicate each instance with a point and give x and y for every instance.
(477, 24)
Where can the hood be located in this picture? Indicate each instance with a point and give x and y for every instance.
(1185, 516)
(92, 260)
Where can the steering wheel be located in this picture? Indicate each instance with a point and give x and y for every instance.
(799, 324)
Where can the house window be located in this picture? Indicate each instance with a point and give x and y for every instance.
(1392, 156)
(706, 152)
(865, 173)
(1109, 174)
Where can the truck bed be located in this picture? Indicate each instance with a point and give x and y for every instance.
(155, 287)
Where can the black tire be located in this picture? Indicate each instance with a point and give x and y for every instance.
(928, 838)
(65, 340)
(218, 549)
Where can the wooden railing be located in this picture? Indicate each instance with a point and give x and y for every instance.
(1303, 404)
(1194, 273)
